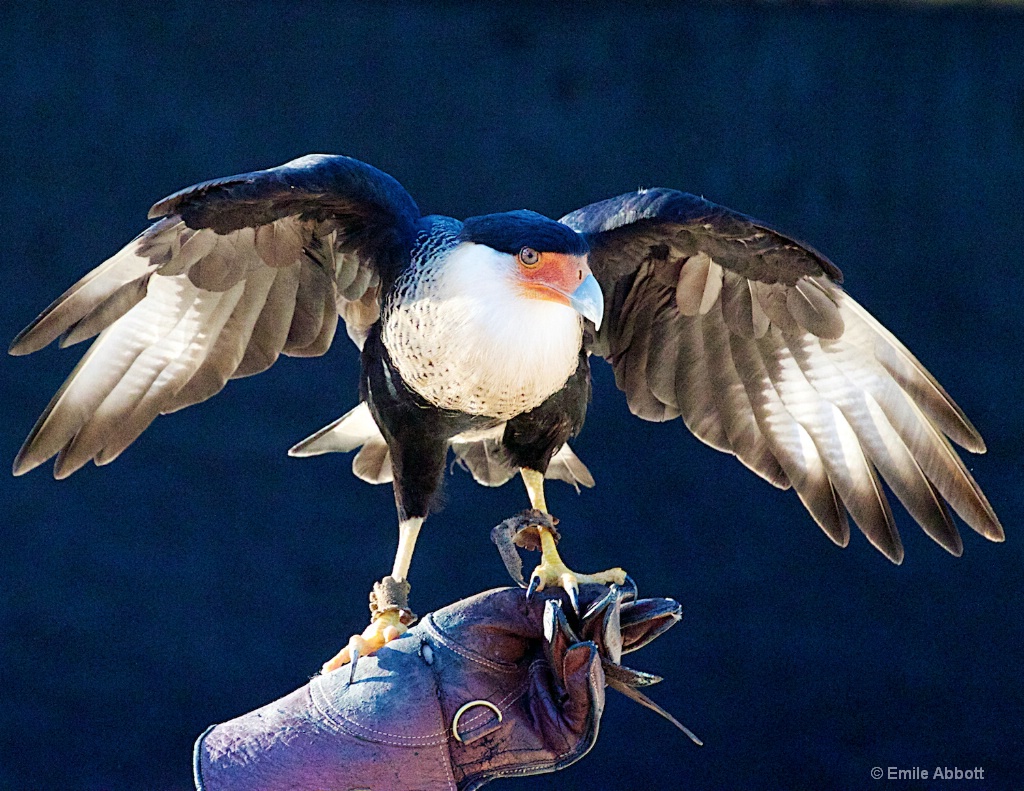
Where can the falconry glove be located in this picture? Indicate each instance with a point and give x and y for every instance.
(492, 686)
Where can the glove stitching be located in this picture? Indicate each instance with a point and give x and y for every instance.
(358, 730)
(445, 744)
(464, 652)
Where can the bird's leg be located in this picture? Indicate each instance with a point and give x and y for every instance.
(389, 604)
(552, 570)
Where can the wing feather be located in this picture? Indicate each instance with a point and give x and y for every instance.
(322, 342)
(314, 299)
(700, 283)
(853, 477)
(270, 332)
(360, 283)
(360, 315)
(741, 308)
(733, 403)
(880, 441)
(770, 360)
(192, 247)
(696, 401)
(774, 302)
(914, 379)
(224, 358)
(790, 443)
(663, 358)
(130, 264)
(813, 307)
(280, 244)
(159, 373)
(130, 356)
(106, 312)
(631, 366)
(929, 447)
(239, 271)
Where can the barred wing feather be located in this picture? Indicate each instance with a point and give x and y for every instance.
(238, 272)
(747, 335)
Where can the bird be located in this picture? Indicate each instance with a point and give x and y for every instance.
(476, 339)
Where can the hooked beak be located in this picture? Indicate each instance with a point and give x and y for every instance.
(588, 300)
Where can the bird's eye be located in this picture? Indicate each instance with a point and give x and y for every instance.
(529, 257)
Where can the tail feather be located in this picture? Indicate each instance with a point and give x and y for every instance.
(480, 453)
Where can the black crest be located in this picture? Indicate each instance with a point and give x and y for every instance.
(509, 232)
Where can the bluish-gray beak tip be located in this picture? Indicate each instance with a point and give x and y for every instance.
(588, 300)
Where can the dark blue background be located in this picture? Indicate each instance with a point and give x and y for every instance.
(205, 573)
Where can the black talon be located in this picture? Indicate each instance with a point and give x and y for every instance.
(532, 589)
(574, 598)
(630, 584)
(352, 665)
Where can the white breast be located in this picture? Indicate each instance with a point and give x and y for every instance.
(464, 336)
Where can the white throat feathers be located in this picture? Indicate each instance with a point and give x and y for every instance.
(465, 336)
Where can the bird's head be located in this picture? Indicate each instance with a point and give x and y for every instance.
(544, 259)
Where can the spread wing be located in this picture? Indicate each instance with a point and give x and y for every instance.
(746, 334)
(237, 271)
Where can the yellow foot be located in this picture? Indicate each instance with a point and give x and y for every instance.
(381, 631)
(557, 573)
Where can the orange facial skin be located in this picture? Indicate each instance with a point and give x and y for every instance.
(554, 277)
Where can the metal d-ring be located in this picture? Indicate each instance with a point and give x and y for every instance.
(466, 707)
